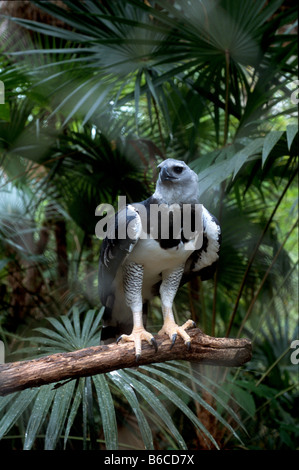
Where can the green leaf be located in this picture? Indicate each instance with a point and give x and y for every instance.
(137, 97)
(96, 105)
(38, 414)
(107, 411)
(196, 396)
(177, 401)
(156, 405)
(252, 149)
(69, 328)
(90, 327)
(270, 141)
(48, 29)
(243, 397)
(71, 94)
(4, 401)
(5, 112)
(58, 326)
(76, 321)
(61, 405)
(50, 344)
(21, 402)
(94, 329)
(83, 100)
(151, 86)
(128, 392)
(262, 390)
(292, 130)
(59, 337)
(73, 411)
(203, 385)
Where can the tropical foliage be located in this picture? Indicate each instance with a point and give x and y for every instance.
(96, 94)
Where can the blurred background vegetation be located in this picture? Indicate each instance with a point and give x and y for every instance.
(97, 93)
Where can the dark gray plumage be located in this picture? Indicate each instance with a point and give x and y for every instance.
(134, 269)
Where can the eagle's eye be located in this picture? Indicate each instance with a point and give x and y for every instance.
(178, 169)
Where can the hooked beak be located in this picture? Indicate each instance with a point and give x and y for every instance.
(165, 176)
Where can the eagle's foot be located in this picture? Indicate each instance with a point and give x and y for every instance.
(138, 334)
(171, 329)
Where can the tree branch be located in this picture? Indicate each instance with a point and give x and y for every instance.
(205, 349)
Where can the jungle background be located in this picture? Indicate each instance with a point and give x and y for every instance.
(95, 94)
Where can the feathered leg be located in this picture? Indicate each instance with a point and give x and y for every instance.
(168, 290)
(132, 282)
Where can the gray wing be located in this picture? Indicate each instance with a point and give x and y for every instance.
(122, 235)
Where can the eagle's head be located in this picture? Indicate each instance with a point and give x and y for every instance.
(177, 183)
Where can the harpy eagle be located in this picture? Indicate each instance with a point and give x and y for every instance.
(156, 257)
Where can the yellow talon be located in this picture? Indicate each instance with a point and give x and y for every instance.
(138, 334)
(171, 329)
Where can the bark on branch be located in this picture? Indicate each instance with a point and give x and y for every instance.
(99, 359)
